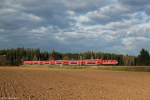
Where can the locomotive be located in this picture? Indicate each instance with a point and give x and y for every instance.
(73, 62)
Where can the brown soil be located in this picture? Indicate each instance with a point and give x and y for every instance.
(52, 84)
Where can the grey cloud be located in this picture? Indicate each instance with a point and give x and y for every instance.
(119, 26)
(135, 2)
(137, 5)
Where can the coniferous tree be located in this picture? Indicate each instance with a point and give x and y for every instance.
(143, 58)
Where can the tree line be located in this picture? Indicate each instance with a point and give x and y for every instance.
(18, 55)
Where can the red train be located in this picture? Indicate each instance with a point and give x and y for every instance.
(73, 62)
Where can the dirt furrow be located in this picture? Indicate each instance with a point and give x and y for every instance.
(45, 84)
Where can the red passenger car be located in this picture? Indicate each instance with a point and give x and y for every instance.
(74, 62)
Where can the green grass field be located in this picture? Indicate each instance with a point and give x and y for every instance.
(113, 68)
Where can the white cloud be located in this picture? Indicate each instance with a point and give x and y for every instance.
(83, 19)
(40, 30)
(71, 13)
(2, 30)
(7, 11)
(31, 17)
(132, 43)
(97, 24)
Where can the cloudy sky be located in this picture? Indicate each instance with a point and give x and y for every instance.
(117, 26)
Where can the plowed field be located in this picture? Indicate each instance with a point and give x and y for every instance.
(52, 84)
